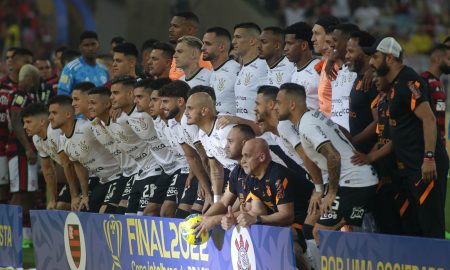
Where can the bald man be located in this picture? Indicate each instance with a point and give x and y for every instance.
(201, 111)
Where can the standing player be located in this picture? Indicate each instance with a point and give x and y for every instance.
(125, 57)
(183, 24)
(88, 155)
(187, 55)
(254, 70)
(160, 60)
(362, 118)
(84, 68)
(271, 48)
(216, 47)
(421, 159)
(298, 49)
(439, 65)
(49, 144)
(350, 189)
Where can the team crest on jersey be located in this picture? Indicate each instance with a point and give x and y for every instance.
(414, 87)
(279, 77)
(142, 123)
(247, 79)
(221, 84)
(83, 146)
(242, 251)
(122, 136)
(74, 243)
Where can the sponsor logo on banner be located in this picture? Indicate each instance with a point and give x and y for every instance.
(113, 234)
(242, 252)
(74, 243)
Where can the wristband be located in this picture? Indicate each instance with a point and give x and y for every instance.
(217, 198)
(319, 187)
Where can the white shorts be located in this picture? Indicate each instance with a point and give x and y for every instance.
(4, 172)
(22, 175)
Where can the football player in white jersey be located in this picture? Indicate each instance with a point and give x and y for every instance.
(298, 50)
(88, 155)
(271, 49)
(187, 55)
(216, 47)
(253, 72)
(350, 188)
(49, 144)
(200, 110)
(139, 126)
(342, 85)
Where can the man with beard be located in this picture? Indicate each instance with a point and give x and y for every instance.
(422, 161)
(271, 48)
(183, 24)
(216, 47)
(362, 119)
(84, 68)
(439, 65)
(160, 60)
(298, 51)
(187, 55)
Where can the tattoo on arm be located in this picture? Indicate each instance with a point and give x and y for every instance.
(333, 163)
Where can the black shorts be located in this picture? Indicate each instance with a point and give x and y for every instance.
(350, 205)
(142, 192)
(97, 193)
(64, 194)
(128, 187)
(176, 187)
(115, 191)
(189, 195)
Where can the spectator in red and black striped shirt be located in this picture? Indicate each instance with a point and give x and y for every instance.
(439, 65)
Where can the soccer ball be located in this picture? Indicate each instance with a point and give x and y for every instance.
(187, 232)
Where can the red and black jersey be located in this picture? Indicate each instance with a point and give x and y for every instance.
(53, 83)
(18, 101)
(45, 92)
(360, 112)
(437, 97)
(5, 98)
(7, 83)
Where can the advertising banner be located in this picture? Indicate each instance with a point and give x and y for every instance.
(67, 240)
(10, 235)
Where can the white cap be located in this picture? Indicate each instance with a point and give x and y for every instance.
(389, 45)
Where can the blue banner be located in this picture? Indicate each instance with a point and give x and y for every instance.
(10, 235)
(67, 240)
(364, 251)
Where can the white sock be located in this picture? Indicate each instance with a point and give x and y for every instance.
(26, 233)
(313, 253)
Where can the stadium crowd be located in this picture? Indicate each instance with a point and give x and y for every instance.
(318, 127)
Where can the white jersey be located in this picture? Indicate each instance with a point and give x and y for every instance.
(174, 134)
(340, 96)
(280, 73)
(199, 78)
(214, 144)
(127, 163)
(222, 80)
(82, 146)
(51, 145)
(250, 78)
(309, 78)
(315, 130)
(142, 125)
(130, 143)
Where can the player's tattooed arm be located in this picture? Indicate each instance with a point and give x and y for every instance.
(333, 164)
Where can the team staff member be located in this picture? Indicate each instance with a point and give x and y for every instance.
(160, 60)
(362, 119)
(421, 159)
(84, 68)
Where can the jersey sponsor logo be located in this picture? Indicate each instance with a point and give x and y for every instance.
(242, 251)
(74, 243)
(3, 100)
(64, 79)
